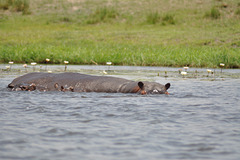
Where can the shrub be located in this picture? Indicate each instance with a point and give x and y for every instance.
(168, 18)
(237, 11)
(4, 5)
(153, 18)
(103, 14)
(10, 2)
(16, 5)
(65, 19)
(22, 6)
(214, 13)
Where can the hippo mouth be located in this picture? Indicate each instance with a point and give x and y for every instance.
(157, 92)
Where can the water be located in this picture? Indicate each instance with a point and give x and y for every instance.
(200, 119)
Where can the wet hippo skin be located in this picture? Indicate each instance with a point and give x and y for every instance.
(76, 82)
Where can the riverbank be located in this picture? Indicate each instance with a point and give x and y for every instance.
(143, 73)
(128, 33)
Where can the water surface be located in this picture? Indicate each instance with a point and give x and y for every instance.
(200, 119)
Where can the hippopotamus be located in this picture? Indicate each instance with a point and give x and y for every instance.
(77, 82)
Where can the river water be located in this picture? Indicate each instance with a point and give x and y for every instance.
(200, 119)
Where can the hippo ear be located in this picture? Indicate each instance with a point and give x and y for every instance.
(10, 85)
(71, 89)
(141, 85)
(32, 87)
(167, 86)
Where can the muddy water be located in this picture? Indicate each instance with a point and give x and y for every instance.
(200, 119)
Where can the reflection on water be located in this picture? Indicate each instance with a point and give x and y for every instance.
(198, 120)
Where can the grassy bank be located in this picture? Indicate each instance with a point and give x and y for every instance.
(154, 33)
(123, 54)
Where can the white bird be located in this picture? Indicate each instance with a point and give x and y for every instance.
(186, 68)
(183, 73)
(33, 63)
(209, 70)
(104, 72)
(222, 64)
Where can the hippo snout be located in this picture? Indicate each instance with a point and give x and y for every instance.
(155, 88)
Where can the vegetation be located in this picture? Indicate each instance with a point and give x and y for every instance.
(130, 32)
(104, 14)
(214, 13)
(15, 5)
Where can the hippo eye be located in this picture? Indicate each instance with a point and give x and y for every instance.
(155, 91)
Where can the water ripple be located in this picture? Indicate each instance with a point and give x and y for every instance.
(198, 120)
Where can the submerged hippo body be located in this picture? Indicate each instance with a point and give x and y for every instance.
(77, 82)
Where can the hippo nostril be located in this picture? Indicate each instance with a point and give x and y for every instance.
(143, 92)
(166, 93)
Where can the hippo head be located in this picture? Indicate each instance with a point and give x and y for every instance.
(153, 88)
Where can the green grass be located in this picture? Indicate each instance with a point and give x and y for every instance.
(148, 33)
